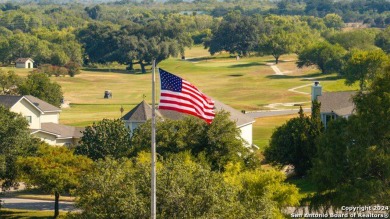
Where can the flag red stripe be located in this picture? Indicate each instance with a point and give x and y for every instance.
(186, 112)
(183, 99)
(180, 95)
(179, 104)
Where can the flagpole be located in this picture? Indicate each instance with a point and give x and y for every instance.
(153, 171)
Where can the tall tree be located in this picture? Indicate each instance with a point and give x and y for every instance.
(54, 169)
(284, 35)
(294, 143)
(15, 140)
(237, 34)
(363, 66)
(382, 40)
(40, 86)
(353, 160)
(327, 57)
(105, 138)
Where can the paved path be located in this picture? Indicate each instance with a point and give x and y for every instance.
(300, 92)
(268, 113)
(34, 204)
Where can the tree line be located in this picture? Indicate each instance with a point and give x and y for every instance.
(130, 33)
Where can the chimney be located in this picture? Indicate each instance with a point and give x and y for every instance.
(316, 90)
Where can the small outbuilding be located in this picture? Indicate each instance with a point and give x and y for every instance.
(24, 63)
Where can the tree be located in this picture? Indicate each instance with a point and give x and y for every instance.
(352, 164)
(355, 39)
(105, 138)
(284, 35)
(363, 66)
(237, 34)
(73, 68)
(40, 86)
(334, 21)
(219, 142)
(15, 140)
(187, 188)
(294, 143)
(55, 170)
(327, 57)
(9, 82)
(382, 40)
(94, 12)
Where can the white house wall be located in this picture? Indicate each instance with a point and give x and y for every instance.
(48, 138)
(246, 133)
(25, 65)
(50, 117)
(26, 109)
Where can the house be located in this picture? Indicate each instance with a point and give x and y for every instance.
(143, 112)
(333, 104)
(24, 63)
(43, 119)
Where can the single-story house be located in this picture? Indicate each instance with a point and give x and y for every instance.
(24, 63)
(333, 104)
(143, 112)
(43, 119)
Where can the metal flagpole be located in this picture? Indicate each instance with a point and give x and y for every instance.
(153, 190)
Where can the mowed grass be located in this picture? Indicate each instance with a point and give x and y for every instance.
(264, 127)
(27, 214)
(245, 84)
(85, 114)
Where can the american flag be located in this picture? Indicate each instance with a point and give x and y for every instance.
(179, 95)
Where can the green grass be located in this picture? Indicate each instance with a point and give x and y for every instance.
(263, 128)
(85, 114)
(24, 214)
(306, 187)
(245, 84)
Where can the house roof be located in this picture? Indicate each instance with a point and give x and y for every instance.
(42, 105)
(23, 60)
(340, 103)
(61, 131)
(8, 101)
(143, 112)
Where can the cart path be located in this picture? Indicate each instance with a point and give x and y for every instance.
(35, 204)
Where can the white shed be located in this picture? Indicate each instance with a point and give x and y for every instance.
(24, 63)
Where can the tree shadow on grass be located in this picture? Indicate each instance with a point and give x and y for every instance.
(199, 59)
(309, 77)
(120, 71)
(250, 64)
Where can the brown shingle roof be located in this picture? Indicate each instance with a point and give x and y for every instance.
(141, 112)
(23, 60)
(63, 131)
(42, 105)
(340, 103)
(8, 101)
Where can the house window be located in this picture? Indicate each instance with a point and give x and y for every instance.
(29, 119)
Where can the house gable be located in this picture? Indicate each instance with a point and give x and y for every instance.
(24, 63)
(29, 111)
